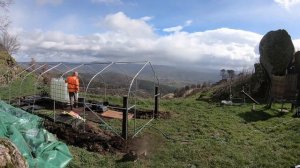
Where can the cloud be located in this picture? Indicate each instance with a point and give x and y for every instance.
(116, 2)
(52, 2)
(173, 29)
(122, 24)
(287, 4)
(188, 23)
(147, 18)
(297, 44)
(128, 39)
(178, 28)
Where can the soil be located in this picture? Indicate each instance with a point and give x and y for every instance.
(93, 138)
(90, 136)
(141, 147)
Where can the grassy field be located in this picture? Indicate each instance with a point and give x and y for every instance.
(200, 134)
(208, 135)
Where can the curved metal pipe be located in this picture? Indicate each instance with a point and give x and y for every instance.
(9, 87)
(136, 75)
(20, 87)
(71, 70)
(25, 69)
(155, 76)
(128, 95)
(38, 81)
(87, 87)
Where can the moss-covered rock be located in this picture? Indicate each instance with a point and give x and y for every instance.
(276, 52)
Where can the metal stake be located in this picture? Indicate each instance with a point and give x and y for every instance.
(125, 118)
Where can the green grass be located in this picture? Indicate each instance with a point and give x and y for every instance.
(13, 90)
(204, 135)
(208, 135)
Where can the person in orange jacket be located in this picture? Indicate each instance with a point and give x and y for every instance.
(73, 89)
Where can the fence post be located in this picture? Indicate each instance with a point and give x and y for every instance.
(125, 118)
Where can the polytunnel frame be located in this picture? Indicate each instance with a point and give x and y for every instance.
(19, 74)
(55, 66)
(23, 79)
(8, 81)
(37, 81)
(125, 108)
(17, 77)
(13, 79)
(125, 100)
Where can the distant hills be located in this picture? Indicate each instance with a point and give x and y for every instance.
(179, 77)
(167, 75)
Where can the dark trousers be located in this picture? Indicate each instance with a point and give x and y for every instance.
(73, 99)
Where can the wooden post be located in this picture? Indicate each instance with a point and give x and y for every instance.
(156, 102)
(125, 118)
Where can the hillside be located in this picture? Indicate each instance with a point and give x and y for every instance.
(200, 134)
(6, 60)
(7, 66)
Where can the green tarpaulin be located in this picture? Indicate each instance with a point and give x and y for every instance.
(39, 147)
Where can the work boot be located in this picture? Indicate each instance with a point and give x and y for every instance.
(76, 105)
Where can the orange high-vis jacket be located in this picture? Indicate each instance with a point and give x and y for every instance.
(73, 84)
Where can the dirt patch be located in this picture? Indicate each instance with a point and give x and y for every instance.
(146, 114)
(93, 139)
(141, 147)
(90, 135)
(164, 114)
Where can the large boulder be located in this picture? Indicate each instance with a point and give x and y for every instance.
(276, 52)
(297, 60)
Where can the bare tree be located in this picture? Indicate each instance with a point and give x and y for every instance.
(9, 43)
(4, 21)
(5, 3)
(231, 73)
(32, 64)
(223, 73)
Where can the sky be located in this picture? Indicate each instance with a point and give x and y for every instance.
(203, 34)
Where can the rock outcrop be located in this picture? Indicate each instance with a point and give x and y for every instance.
(276, 52)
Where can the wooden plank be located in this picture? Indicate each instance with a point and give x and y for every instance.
(115, 114)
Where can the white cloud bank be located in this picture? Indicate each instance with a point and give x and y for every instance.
(128, 39)
(287, 4)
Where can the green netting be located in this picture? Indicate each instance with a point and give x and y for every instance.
(39, 147)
